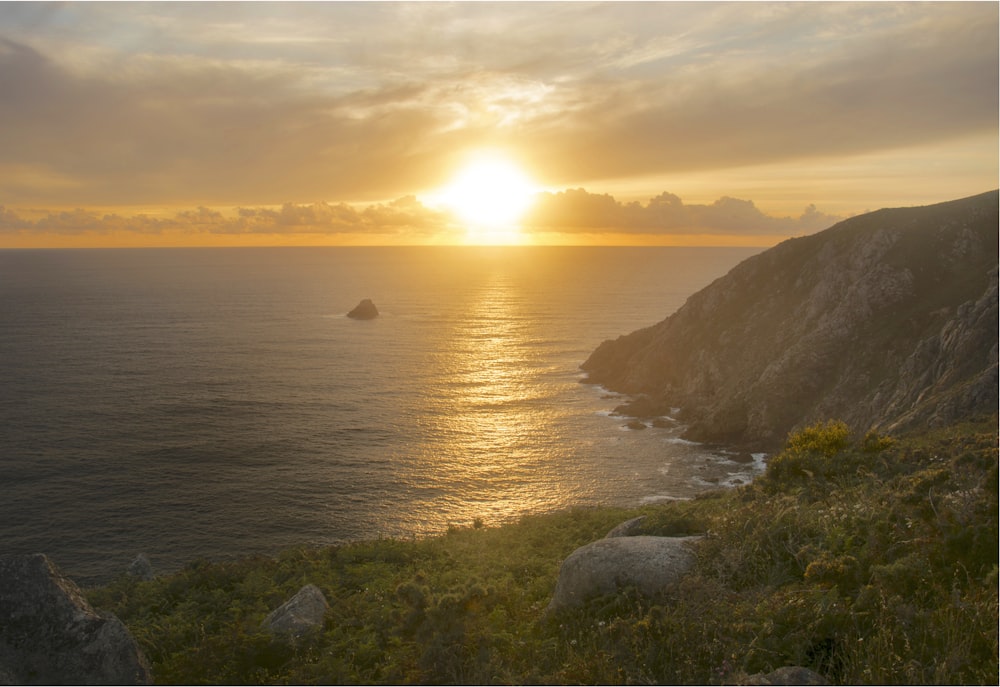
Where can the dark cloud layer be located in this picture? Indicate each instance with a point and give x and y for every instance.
(579, 211)
(318, 218)
(575, 211)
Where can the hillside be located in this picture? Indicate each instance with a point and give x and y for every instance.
(867, 560)
(887, 320)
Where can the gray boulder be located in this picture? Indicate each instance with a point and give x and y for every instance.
(365, 310)
(298, 616)
(140, 568)
(629, 528)
(650, 564)
(49, 634)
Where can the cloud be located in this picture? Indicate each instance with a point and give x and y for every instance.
(573, 211)
(404, 215)
(577, 211)
(258, 103)
(739, 104)
(196, 131)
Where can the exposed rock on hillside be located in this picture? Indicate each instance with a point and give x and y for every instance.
(50, 635)
(629, 528)
(649, 564)
(140, 568)
(887, 321)
(300, 615)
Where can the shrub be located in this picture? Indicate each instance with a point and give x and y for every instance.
(809, 453)
(824, 439)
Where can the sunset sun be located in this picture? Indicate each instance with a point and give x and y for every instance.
(490, 195)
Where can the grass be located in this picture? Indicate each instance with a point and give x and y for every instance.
(870, 560)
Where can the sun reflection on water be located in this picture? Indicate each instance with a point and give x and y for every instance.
(492, 409)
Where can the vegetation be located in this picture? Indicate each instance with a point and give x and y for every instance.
(870, 560)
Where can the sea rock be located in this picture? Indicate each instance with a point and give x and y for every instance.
(650, 564)
(300, 615)
(365, 310)
(887, 321)
(787, 675)
(140, 568)
(639, 407)
(49, 634)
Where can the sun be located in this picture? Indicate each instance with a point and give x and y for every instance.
(490, 194)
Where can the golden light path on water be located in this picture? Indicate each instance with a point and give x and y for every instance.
(493, 408)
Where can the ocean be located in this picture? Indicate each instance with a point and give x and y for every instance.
(217, 402)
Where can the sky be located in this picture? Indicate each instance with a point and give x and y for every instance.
(321, 123)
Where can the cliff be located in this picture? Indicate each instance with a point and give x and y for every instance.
(887, 321)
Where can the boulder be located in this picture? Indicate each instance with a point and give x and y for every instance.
(298, 616)
(140, 568)
(49, 634)
(629, 528)
(649, 564)
(787, 675)
(365, 310)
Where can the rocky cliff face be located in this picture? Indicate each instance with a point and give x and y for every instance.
(887, 321)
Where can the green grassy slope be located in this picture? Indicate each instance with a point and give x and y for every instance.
(867, 559)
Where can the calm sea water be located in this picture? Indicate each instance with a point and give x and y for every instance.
(215, 403)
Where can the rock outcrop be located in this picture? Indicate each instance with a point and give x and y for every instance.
(140, 568)
(365, 310)
(298, 616)
(629, 528)
(50, 635)
(887, 321)
(648, 564)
